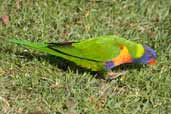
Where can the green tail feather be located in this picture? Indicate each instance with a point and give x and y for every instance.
(94, 66)
(37, 46)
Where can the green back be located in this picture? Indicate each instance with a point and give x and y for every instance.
(100, 49)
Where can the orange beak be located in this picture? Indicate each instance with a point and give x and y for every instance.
(152, 61)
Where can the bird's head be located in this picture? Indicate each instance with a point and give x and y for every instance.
(149, 56)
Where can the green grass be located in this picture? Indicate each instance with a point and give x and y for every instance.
(29, 82)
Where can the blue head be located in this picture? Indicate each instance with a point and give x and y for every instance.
(148, 57)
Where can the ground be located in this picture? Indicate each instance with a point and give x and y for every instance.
(33, 83)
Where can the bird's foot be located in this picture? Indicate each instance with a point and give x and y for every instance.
(112, 75)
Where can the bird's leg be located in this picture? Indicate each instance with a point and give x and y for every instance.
(109, 75)
(112, 75)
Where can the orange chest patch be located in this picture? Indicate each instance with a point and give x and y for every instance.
(123, 57)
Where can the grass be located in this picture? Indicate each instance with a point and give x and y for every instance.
(30, 83)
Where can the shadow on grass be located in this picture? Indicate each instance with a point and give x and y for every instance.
(61, 63)
(65, 64)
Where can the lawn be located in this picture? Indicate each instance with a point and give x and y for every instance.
(35, 83)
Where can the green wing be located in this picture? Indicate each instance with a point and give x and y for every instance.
(97, 49)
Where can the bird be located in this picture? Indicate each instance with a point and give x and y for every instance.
(100, 54)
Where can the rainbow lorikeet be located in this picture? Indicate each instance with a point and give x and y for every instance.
(99, 54)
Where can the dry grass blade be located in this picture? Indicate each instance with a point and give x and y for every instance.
(5, 104)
